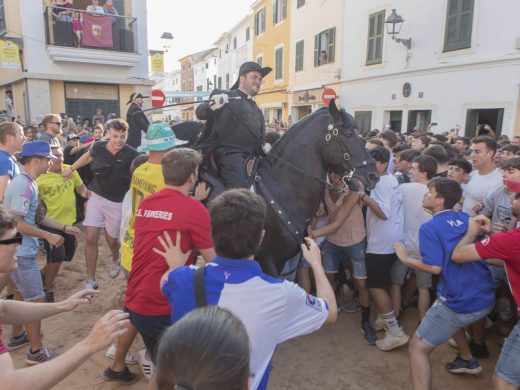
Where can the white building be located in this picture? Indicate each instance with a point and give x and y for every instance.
(233, 49)
(316, 53)
(463, 67)
(55, 75)
(170, 85)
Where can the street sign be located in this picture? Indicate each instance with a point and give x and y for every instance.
(158, 98)
(327, 95)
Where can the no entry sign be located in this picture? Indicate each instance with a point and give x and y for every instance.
(158, 98)
(327, 95)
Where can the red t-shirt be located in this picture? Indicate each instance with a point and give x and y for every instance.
(504, 246)
(3, 348)
(166, 210)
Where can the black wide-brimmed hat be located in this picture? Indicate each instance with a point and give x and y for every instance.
(134, 96)
(251, 66)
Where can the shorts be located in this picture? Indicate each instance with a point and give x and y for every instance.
(151, 329)
(400, 270)
(103, 213)
(379, 269)
(440, 323)
(508, 364)
(333, 254)
(64, 252)
(28, 279)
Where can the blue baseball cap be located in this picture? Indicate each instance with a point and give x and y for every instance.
(36, 149)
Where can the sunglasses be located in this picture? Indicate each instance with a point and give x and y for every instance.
(17, 239)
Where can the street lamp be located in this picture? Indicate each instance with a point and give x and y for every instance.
(166, 36)
(393, 27)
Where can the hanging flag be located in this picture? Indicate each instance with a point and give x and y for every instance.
(9, 55)
(157, 62)
(97, 30)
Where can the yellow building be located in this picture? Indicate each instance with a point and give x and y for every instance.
(271, 47)
(48, 70)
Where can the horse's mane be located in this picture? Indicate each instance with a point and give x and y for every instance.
(291, 133)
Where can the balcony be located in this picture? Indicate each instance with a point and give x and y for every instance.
(78, 36)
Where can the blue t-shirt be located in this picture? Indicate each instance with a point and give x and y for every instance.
(8, 165)
(465, 288)
(272, 310)
(21, 197)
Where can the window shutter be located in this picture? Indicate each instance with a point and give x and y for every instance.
(262, 22)
(284, 9)
(275, 11)
(375, 38)
(299, 56)
(317, 50)
(332, 39)
(459, 22)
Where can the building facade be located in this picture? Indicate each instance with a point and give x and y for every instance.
(316, 54)
(462, 67)
(56, 73)
(271, 47)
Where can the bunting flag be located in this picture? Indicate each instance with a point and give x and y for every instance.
(97, 30)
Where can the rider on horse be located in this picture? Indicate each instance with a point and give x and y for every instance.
(237, 131)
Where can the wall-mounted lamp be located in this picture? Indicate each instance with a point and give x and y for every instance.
(393, 27)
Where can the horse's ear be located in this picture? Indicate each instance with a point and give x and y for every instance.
(333, 109)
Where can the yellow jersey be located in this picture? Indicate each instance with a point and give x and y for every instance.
(146, 179)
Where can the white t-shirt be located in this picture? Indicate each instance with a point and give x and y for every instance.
(382, 234)
(414, 216)
(95, 9)
(477, 186)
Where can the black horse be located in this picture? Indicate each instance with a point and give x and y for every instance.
(292, 178)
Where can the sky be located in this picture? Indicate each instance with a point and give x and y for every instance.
(194, 24)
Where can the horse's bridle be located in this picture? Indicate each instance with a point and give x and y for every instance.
(332, 131)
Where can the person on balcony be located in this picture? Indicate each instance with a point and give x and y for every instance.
(95, 8)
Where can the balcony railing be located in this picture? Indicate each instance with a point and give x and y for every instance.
(76, 28)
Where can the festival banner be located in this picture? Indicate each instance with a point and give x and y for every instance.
(157, 62)
(9, 55)
(97, 30)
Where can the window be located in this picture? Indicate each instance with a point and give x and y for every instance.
(364, 121)
(375, 38)
(299, 56)
(459, 21)
(207, 65)
(260, 22)
(220, 83)
(324, 47)
(3, 26)
(248, 34)
(260, 60)
(279, 10)
(234, 43)
(278, 61)
(227, 80)
(227, 48)
(300, 3)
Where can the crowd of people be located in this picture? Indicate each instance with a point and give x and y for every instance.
(441, 204)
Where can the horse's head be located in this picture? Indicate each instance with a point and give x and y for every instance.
(344, 151)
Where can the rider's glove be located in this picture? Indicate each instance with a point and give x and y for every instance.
(218, 101)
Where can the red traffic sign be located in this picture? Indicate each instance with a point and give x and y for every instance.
(158, 98)
(327, 95)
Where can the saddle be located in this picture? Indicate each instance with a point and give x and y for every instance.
(209, 172)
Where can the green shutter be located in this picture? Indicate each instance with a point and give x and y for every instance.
(317, 50)
(331, 50)
(459, 22)
(375, 38)
(275, 11)
(262, 16)
(299, 56)
(284, 9)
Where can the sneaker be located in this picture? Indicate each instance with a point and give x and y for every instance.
(43, 355)
(390, 341)
(114, 269)
(91, 285)
(18, 342)
(126, 376)
(351, 306)
(461, 366)
(49, 296)
(130, 359)
(368, 332)
(379, 324)
(143, 357)
(479, 351)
